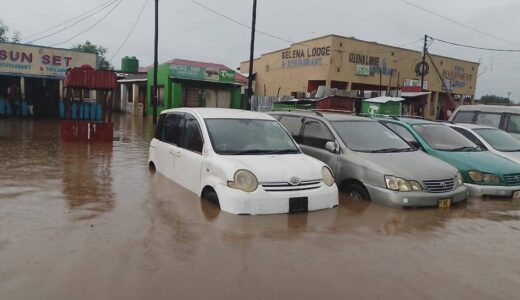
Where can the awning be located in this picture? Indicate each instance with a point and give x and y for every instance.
(414, 94)
(384, 99)
(132, 80)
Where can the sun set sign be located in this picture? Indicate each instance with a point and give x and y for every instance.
(20, 59)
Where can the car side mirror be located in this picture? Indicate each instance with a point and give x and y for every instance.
(331, 146)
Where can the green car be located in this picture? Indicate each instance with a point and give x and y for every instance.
(484, 173)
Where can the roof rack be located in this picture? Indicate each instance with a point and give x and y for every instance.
(332, 110)
(300, 110)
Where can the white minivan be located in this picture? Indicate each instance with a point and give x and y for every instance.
(244, 161)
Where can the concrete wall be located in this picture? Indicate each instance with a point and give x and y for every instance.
(290, 69)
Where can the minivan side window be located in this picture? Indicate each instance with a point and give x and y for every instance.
(402, 132)
(489, 119)
(172, 129)
(464, 117)
(315, 134)
(293, 125)
(513, 126)
(159, 127)
(191, 136)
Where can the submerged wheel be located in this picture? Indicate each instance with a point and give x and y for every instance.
(356, 191)
(210, 195)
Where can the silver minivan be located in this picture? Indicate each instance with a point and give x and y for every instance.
(371, 162)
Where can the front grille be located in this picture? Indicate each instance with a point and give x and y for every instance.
(439, 186)
(286, 187)
(512, 179)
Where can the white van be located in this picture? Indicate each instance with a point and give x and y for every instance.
(244, 161)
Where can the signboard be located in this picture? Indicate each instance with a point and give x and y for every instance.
(415, 82)
(41, 61)
(202, 73)
(362, 70)
(309, 57)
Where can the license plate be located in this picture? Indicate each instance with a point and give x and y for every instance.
(298, 204)
(444, 203)
(516, 194)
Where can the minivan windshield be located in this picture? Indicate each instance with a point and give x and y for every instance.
(443, 138)
(249, 137)
(369, 136)
(500, 140)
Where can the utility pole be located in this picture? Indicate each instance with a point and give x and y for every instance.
(424, 61)
(380, 82)
(155, 96)
(251, 57)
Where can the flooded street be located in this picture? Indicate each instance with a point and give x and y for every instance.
(81, 221)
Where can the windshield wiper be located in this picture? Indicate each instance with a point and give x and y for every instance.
(465, 149)
(257, 151)
(390, 150)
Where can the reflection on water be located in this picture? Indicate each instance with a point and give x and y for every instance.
(87, 177)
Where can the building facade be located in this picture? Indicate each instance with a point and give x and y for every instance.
(351, 64)
(195, 84)
(38, 72)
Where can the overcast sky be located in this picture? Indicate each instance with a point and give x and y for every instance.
(191, 32)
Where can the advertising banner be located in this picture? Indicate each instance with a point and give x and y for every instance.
(20, 59)
(202, 73)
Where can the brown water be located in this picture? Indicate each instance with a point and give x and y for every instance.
(81, 221)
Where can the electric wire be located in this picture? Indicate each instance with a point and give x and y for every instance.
(460, 23)
(67, 21)
(75, 23)
(474, 47)
(281, 38)
(90, 27)
(131, 30)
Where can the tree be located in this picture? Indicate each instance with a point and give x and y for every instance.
(4, 37)
(88, 47)
(494, 99)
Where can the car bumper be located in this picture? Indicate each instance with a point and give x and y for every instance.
(262, 202)
(476, 190)
(414, 199)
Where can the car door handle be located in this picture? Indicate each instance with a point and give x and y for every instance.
(175, 153)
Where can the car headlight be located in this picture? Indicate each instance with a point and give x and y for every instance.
(402, 185)
(483, 177)
(491, 178)
(327, 176)
(475, 176)
(244, 180)
(459, 179)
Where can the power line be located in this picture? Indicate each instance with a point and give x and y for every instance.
(67, 21)
(474, 47)
(284, 39)
(131, 30)
(90, 27)
(77, 22)
(238, 22)
(460, 23)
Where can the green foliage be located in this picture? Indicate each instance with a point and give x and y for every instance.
(493, 99)
(4, 34)
(88, 47)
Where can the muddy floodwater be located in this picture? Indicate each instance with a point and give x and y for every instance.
(81, 221)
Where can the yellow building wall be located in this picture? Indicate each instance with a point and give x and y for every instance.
(335, 58)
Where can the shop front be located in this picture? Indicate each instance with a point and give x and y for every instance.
(183, 83)
(36, 73)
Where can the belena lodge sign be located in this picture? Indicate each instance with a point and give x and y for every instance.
(298, 58)
(18, 59)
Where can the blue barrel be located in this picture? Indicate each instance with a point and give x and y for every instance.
(61, 109)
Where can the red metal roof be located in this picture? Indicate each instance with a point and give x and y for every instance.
(87, 77)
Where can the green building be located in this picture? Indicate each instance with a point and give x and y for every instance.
(184, 83)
